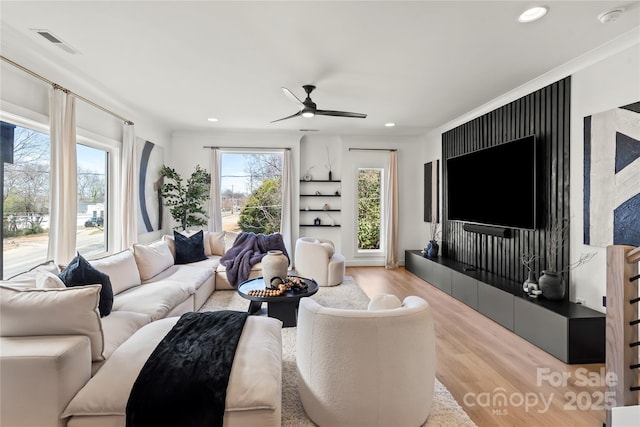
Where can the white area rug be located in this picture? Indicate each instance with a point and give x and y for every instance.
(445, 412)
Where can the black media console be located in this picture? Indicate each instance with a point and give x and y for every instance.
(571, 332)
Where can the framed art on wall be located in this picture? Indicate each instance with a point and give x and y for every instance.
(151, 158)
(431, 191)
(612, 177)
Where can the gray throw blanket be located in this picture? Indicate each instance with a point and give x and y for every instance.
(248, 250)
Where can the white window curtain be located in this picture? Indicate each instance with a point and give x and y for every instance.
(129, 184)
(286, 218)
(215, 204)
(63, 198)
(391, 213)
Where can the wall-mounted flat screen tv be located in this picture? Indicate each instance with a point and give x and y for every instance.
(495, 186)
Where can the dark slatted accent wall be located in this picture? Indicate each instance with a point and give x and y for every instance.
(544, 113)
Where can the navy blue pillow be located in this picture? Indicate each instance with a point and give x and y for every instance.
(189, 249)
(79, 272)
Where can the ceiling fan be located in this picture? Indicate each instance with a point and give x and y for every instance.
(309, 107)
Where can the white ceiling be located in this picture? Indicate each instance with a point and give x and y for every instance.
(419, 64)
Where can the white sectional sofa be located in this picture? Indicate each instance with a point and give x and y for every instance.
(62, 364)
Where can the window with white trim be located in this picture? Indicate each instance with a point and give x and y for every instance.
(370, 210)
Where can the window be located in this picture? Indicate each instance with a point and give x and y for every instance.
(370, 210)
(92, 166)
(24, 171)
(251, 192)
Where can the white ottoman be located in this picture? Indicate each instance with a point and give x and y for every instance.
(254, 394)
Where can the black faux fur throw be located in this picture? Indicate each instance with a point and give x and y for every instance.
(249, 249)
(184, 381)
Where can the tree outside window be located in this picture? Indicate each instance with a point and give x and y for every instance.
(369, 209)
(251, 192)
(25, 197)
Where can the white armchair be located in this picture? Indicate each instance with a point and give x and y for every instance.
(316, 258)
(372, 367)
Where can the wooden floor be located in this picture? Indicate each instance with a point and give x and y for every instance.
(498, 378)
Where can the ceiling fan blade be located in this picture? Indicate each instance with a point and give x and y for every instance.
(289, 117)
(340, 114)
(291, 96)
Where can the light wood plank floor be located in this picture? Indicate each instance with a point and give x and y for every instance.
(479, 361)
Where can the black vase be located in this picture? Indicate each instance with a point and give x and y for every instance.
(329, 175)
(432, 249)
(552, 285)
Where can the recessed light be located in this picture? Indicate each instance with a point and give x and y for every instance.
(212, 119)
(610, 15)
(532, 14)
(390, 124)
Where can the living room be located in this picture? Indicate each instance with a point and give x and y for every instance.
(602, 69)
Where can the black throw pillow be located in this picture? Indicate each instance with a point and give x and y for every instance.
(79, 272)
(189, 249)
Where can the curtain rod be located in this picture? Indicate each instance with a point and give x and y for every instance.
(373, 149)
(57, 86)
(247, 148)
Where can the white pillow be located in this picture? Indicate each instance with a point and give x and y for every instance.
(152, 259)
(328, 247)
(121, 268)
(171, 243)
(229, 239)
(384, 302)
(63, 311)
(29, 277)
(46, 280)
(214, 242)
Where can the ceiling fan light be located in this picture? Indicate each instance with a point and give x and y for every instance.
(308, 114)
(532, 14)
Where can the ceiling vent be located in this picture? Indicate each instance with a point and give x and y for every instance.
(56, 41)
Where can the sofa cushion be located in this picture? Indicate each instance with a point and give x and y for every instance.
(255, 380)
(189, 249)
(47, 280)
(79, 273)
(189, 277)
(121, 268)
(154, 299)
(63, 311)
(152, 258)
(211, 262)
(119, 326)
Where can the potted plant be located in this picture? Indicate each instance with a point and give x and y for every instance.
(186, 200)
(551, 281)
(433, 247)
(527, 259)
(328, 165)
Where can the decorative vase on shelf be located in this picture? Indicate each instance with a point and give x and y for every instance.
(552, 285)
(432, 249)
(274, 264)
(329, 175)
(531, 280)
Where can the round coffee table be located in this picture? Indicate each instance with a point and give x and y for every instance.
(283, 307)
